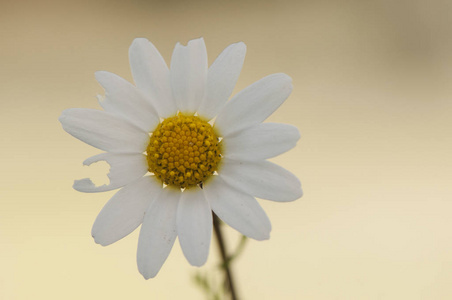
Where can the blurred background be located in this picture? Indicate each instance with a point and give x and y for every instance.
(372, 99)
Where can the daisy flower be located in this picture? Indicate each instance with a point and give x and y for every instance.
(178, 150)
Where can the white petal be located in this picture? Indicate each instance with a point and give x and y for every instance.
(254, 104)
(158, 232)
(124, 169)
(104, 131)
(151, 76)
(125, 210)
(194, 226)
(221, 79)
(124, 100)
(188, 74)
(239, 210)
(262, 141)
(261, 179)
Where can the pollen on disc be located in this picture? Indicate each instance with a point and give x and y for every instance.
(183, 151)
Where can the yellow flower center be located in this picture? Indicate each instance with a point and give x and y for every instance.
(183, 151)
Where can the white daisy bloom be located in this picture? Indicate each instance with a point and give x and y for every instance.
(173, 167)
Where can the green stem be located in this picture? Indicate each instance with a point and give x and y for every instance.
(224, 256)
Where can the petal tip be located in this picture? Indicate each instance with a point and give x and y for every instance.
(81, 183)
(99, 242)
(200, 260)
(297, 195)
(200, 39)
(265, 236)
(147, 275)
(138, 45)
(284, 76)
(62, 117)
(103, 77)
(84, 185)
(240, 45)
(139, 40)
(284, 80)
(146, 272)
(99, 74)
(297, 134)
(197, 263)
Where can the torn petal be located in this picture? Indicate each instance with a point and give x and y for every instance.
(124, 169)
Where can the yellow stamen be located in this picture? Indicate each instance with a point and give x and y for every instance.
(177, 150)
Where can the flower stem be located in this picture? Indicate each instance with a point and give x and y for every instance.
(225, 266)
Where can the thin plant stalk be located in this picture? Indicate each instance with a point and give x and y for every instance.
(225, 258)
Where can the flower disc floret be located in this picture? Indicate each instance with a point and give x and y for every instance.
(183, 151)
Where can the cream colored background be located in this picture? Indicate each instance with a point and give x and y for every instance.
(372, 99)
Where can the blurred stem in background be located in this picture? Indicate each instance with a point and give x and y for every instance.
(229, 281)
(206, 282)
